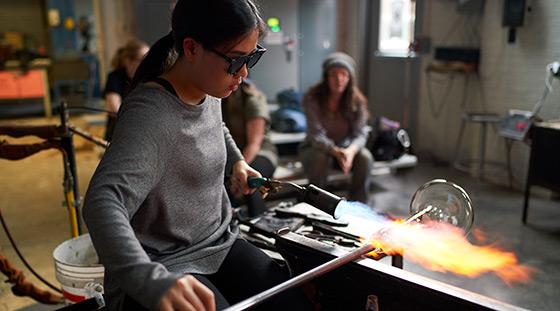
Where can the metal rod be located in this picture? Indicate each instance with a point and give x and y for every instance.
(114, 114)
(315, 272)
(302, 278)
(96, 140)
(67, 144)
(294, 185)
(419, 214)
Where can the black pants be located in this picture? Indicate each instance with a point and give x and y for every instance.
(248, 271)
(255, 203)
(245, 272)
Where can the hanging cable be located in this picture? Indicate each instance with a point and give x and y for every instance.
(20, 255)
(547, 90)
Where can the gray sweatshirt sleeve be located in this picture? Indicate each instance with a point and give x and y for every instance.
(316, 133)
(360, 129)
(130, 168)
(233, 152)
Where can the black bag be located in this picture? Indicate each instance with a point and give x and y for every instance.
(388, 141)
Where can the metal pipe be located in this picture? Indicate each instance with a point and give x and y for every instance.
(321, 199)
(96, 140)
(67, 144)
(315, 272)
(302, 278)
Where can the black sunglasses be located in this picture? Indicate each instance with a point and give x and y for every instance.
(235, 64)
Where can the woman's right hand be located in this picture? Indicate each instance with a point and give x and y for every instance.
(187, 293)
(342, 157)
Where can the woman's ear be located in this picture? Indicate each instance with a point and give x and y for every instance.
(191, 49)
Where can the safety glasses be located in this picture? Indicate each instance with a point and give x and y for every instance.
(235, 64)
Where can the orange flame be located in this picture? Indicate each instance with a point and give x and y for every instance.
(443, 247)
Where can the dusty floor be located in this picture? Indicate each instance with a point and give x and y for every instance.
(32, 205)
(31, 202)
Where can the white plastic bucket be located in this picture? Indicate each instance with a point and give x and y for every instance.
(77, 265)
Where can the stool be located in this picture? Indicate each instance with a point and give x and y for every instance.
(483, 119)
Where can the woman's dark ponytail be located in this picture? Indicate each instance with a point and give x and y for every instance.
(156, 61)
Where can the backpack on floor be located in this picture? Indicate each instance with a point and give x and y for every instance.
(388, 141)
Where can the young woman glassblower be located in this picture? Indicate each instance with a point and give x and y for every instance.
(156, 208)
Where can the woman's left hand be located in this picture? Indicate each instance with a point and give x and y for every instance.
(241, 171)
(348, 158)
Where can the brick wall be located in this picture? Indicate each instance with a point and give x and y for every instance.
(511, 76)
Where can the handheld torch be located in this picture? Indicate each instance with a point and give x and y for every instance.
(311, 194)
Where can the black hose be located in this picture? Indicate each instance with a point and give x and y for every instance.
(20, 255)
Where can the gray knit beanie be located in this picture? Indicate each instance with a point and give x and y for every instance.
(340, 59)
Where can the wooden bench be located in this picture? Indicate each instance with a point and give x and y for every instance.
(290, 168)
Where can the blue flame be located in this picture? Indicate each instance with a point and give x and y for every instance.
(364, 219)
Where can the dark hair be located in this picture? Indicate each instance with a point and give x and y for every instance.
(210, 22)
(351, 100)
(129, 51)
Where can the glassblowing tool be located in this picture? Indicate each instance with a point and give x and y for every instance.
(450, 204)
(311, 194)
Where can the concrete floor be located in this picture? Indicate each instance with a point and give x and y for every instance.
(31, 203)
(498, 215)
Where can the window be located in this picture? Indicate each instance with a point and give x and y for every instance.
(396, 27)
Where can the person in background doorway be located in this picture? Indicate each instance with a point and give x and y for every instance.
(157, 208)
(246, 115)
(337, 130)
(124, 64)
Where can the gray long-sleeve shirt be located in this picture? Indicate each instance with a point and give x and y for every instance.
(325, 130)
(156, 207)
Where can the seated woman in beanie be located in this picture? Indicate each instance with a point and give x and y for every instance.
(337, 130)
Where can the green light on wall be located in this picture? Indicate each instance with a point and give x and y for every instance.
(274, 24)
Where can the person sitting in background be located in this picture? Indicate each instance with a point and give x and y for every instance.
(246, 115)
(124, 64)
(337, 114)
